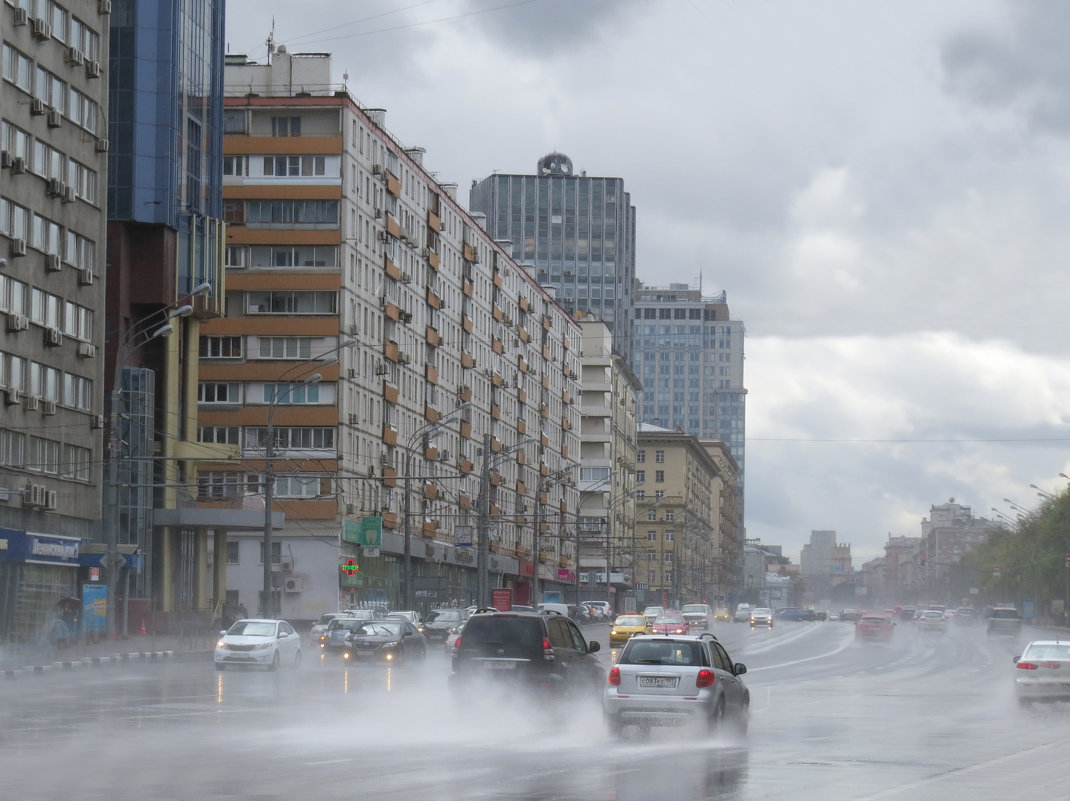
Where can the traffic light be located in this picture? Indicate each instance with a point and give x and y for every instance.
(921, 561)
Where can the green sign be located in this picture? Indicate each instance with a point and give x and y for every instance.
(364, 531)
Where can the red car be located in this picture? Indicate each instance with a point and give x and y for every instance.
(874, 627)
(669, 623)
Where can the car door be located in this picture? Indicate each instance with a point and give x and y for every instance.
(410, 640)
(733, 686)
(289, 642)
(586, 669)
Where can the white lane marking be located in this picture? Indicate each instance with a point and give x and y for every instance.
(846, 644)
(328, 762)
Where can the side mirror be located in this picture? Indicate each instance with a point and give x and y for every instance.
(740, 669)
(594, 646)
(1017, 658)
(222, 632)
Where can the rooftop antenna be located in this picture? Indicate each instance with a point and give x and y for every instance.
(271, 42)
(345, 80)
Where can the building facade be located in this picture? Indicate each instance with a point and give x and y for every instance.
(689, 358)
(384, 365)
(607, 469)
(165, 274)
(575, 233)
(53, 148)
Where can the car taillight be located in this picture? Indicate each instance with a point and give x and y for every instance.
(547, 650)
(614, 677)
(1027, 666)
(705, 678)
(457, 643)
(1052, 665)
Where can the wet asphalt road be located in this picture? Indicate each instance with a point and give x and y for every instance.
(927, 716)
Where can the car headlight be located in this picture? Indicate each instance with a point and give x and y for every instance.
(222, 645)
(262, 646)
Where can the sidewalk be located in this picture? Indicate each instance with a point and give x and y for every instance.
(20, 660)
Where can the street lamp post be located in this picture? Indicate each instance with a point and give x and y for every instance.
(543, 485)
(407, 595)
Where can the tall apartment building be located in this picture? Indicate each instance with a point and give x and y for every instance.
(53, 107)
(575, 233)
(689, 358)
(607, 472)
(726, 568)
(678, 510)
(456, 377)
(165, 273)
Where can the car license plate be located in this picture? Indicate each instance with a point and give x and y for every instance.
(665, 682)
(499, 665)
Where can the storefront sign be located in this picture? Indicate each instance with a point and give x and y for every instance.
(94, 608)
(366, 531)
(42, 549)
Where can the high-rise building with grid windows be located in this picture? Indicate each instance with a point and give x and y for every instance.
(689, 359)
(575, 233)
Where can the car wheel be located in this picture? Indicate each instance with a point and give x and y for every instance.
(297, 659)
(615, 726)
(275, 661)
(717, 718)
(399, 659)
(220, 666)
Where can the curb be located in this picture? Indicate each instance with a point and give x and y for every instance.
(88, 662)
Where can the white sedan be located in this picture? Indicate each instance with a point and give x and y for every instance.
(263, 642)
(1042, 672)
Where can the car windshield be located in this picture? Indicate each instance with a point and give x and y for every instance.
(761, 612)
(444, 616)
(694, 608)
(664, 653)
(652, 610)
(347, 623)
(933, 615)
(378, 628)
(673, 618)
(363, 614)
(631, 620)
(253, 628)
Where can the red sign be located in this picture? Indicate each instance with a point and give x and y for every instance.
(502, 599)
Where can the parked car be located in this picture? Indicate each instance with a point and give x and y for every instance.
(874, 627)
(669, 623)
(666, 680)
(793, 614)
(439, 622)
(392, 640)
(605, 606)
(698, 615)
(544, 653)
(256, 641)
(932, 620)
(625, 627)
(742, 614)
(1004, 620)
(1041, 672)
(579, 613)
(761, 616)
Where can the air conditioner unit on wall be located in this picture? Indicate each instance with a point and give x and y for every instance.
(48, 407)
(294, 585)
(286, 563)
(12, 396)
(33, 403)
(87, 350)
(18, 247)
(17, 322)
(53, 337)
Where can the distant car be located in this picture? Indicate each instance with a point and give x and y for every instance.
(334, 638)
(793, 614)
(666, 680)
(439, 622)
(874, 627)
(932, 620)
(545, 653)
(320, 626)
(966, 616)
(819, 614)
(1004, 620)
(669, 623)
(625, 627)
(652, 612)
(722, 615)
(391, 640)
(1041, 672)
(256, 641)
(761, 616)
(452, 636)
(410, 615)
(579, 613)
(742, 614)
(906, 614)
(698, 615)
(605, 606)
(849, 615)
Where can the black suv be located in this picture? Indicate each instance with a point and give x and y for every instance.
(538, 651)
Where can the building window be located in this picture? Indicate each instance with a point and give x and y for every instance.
(220, 435)
(276, 552)
(659, 476)
(218, 392)
(285, 126)
(652, 536)
(640, 476)
(670, 514)
(669, 534)
(285, 347)
(220, 348)
(291, 393)
(640, 457)
(297, 486)
(659, 457)
(232, 553)
(235, 165)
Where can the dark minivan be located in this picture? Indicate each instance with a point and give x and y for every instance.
(544, 652)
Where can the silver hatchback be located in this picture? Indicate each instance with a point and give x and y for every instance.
(671, 680)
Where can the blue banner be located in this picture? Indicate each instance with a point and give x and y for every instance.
(94, 608)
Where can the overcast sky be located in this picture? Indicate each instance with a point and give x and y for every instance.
(881, 188)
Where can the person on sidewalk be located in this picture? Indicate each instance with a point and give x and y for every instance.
(242, 612)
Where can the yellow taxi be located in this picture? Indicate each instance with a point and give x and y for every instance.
(625, 627)
(722, 615)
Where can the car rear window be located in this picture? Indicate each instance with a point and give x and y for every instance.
(1005, 614)
(665, 653)
(524, 631)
